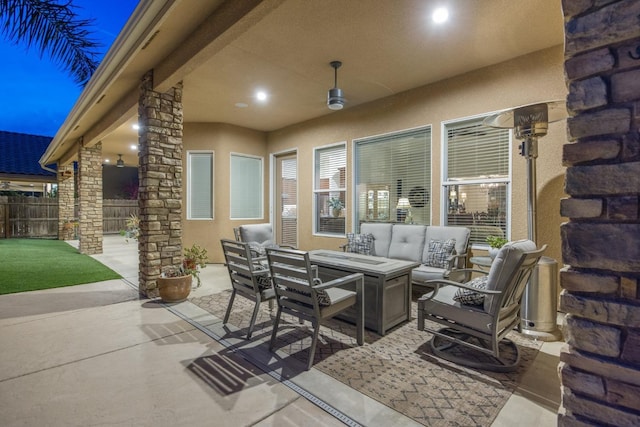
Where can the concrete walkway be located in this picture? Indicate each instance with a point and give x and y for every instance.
(98, 354)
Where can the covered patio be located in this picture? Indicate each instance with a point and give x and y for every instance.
(100, 353)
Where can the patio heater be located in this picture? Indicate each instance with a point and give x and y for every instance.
(539, 302)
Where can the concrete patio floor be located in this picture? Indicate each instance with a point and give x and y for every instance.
(99, 354)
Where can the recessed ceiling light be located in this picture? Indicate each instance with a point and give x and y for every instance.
(261, 95)
(136, 126)
(134, 146)
(440, 15)
(241, 105)
(106, 160)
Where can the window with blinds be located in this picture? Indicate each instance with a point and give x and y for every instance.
(200, 185)
(330, 189)
(393, 177)
(288, 190)
(476, 184)
(246, 198)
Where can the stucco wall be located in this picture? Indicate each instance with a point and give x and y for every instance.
(223, 139)
(532, 78)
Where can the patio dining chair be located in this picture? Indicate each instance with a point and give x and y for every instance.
(301, 294)
(480, 313)
(249, 278)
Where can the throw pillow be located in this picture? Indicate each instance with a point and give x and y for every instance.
(439, 251)
(469, 297)
(359, 243)
(323, 296)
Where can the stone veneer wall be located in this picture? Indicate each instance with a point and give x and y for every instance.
(600, 365)
(90, 199)
(66, 193)
(160, 176)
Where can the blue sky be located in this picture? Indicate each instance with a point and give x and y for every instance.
(38, 93)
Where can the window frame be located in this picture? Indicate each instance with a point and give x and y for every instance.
(446, 182)
(427, 188)
(316, 190)
(232, 155)
(190, 180)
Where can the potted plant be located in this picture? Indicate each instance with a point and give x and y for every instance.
(495, 243)
(336, 206)
(175, 282)
(133, 228)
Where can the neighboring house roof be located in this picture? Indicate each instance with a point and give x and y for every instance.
(19, 156)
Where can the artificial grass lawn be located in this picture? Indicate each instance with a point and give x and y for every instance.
(30, 264)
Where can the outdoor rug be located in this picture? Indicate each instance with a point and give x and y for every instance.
(397, 370)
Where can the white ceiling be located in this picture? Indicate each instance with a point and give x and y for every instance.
(386, 46)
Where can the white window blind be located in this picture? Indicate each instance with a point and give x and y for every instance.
(200, 185)
(476, 184)
(289, 214)
(390, 167)
(476, 151)
(246, 198)
(330, 189)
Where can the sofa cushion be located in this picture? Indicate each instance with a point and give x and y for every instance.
(360, 243)
(439, 252)
(381, 236)
(422, 273)
(407, 242)
(469, 297)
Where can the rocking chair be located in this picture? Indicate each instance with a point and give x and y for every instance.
(480, 318)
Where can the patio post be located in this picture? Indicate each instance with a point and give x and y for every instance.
(66, 212)
(90, 198)
(160, 177)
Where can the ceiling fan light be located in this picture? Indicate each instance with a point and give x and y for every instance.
(335, 99)
(120, 162)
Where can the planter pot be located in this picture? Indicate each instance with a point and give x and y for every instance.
(493, 252)
(336, 212)
(174, 289)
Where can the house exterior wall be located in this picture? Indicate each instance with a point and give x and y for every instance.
(223, 139)
(600, 366)
(528, 79)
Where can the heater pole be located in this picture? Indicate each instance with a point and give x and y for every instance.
(529, 149)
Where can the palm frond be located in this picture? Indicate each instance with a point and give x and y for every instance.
(53, 28)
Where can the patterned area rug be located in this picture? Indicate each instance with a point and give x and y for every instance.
(397, 370)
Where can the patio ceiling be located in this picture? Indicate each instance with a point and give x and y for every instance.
(284, 48)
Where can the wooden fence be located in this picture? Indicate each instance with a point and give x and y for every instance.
(37, 217)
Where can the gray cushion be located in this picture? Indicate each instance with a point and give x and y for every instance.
(258, 233)
(503, 266)
(423, 273)
(439, 252)
(469, 297)
(360, 243)
(407, 242)
(381, 236)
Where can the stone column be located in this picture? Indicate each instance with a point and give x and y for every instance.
(160, 177)
(600, 365)
(90, 199)
(66, 200)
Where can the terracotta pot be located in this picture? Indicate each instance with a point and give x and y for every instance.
(174, 289)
